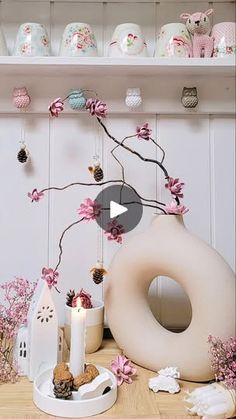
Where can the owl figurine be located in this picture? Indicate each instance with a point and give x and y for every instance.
(189, 97)
(77, 99)
(21, 98)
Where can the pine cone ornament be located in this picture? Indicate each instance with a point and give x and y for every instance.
(69, 297)
(97, 172)
(22, 156)
(98, 273)
(62, 390)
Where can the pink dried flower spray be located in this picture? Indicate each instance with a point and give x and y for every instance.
(174, 208)
(223, 359)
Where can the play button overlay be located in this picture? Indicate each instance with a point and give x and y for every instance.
(116, 209)
(119, 203)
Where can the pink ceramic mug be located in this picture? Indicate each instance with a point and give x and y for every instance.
(224, 39)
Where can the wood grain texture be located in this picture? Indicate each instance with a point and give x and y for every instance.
(134, 401)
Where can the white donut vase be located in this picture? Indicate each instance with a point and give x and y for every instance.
(166, 248)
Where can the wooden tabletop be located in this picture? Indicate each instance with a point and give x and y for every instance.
(135, 401)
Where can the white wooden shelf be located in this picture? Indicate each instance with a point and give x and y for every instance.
(101, 66)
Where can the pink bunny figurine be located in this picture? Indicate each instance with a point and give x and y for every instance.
(198, 24)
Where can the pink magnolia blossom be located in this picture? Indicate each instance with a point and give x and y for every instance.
(175, 187)
(123, 369)
(35, 196)
(143, 132)
(56, 107)
(50, 276)
(174, 208)
(85, 299)
(223, 359)
(96, 107)
(114, 231)
(89, 209)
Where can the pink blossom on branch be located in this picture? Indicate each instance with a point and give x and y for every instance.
(50, 276)
(89, 209)
(175, 187)
(96, 107)
(143, 132)
(114, 231)
(35, 196)
(174, 208)
(56, 107)
(123, 369)
(85, 299)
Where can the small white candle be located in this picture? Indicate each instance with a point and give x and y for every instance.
(77, 343)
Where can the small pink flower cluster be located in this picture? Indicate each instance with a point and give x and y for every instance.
(85, 299)
(223, 359)
(50, 276)
(123, 369)
(8, 369)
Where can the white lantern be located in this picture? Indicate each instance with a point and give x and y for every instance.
(21, 350)
(42, 331)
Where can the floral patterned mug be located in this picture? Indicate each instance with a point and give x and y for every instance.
(78, 41)
(32, 40)
(174, 41)
(127, 40)
(224, 39)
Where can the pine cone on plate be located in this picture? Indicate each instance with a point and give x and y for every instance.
(69, 297)
(62, 390)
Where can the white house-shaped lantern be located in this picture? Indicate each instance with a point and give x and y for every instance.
(42, 331)
(21, 350)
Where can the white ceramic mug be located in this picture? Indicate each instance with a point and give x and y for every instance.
(127, 40)
(78, 40)
(32, 40)
(173, 41)
(224, 39)
(94, 326)
(3, 45)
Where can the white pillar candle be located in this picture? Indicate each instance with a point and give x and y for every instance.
(77, 343)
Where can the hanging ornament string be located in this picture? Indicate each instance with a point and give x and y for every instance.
(23, 154)
(97, 154)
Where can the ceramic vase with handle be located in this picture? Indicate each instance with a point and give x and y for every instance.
(168, 249)
(127, 40)
(78, 40)
(94, 326)
(224, 39)
(3, 46)
(32, 40)
(174, 41)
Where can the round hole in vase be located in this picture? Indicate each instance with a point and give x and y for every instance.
(94, 326)
(170, 304)
(167, 248)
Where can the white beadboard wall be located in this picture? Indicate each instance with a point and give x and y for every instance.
(200, 149)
